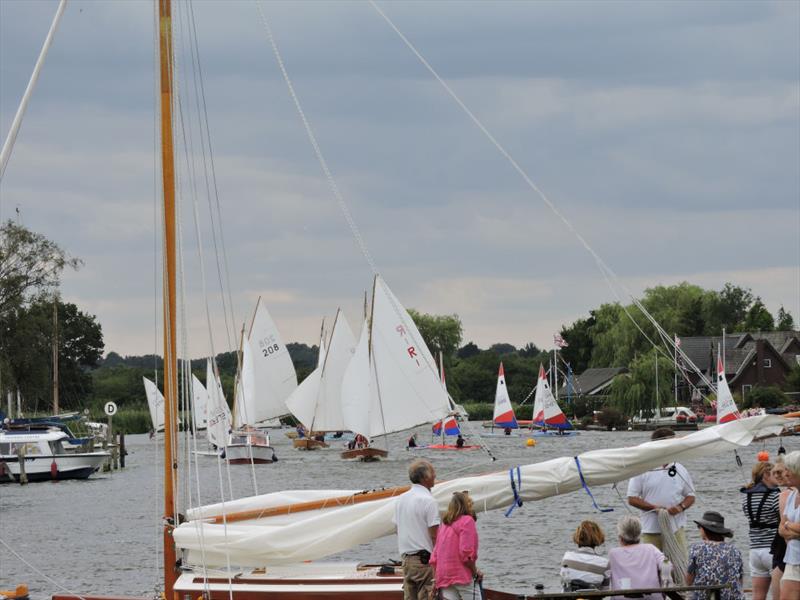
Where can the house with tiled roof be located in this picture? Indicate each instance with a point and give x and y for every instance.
(594, 383)
(750, 358)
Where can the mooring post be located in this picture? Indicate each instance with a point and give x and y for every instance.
(23, 476)
(122, 451)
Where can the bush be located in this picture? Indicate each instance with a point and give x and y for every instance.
(764, 397)
(611, 417)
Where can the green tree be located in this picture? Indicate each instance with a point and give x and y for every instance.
(468, 350)
(726, 309)
(637, 391)
(30, 265)
(785, 322)
(579, 337)
(758, 318)
(502, 348)
(764, 397)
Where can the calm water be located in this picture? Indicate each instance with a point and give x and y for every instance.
(101, 536)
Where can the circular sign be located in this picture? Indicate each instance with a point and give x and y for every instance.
(110, 409)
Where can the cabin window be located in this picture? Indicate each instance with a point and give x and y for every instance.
(746, 389)
(32, 449)
(5, 448)
(767, 363)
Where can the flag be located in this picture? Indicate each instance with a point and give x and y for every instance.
(559, 341)
(677, 341)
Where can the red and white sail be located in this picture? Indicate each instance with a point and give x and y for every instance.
(546, 412)
(503, 411)
(726, 407)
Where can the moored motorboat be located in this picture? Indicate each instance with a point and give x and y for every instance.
(44, 456)
(246, 447)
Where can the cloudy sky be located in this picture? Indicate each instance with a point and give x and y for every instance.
(667, 133)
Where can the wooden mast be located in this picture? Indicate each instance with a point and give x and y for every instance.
(169, 283)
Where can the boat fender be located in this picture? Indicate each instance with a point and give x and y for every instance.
(54, 470)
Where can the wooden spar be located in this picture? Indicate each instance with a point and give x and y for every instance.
(288, 509)
(169, 282)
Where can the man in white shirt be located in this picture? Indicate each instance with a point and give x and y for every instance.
(417, 518)
(670, 488)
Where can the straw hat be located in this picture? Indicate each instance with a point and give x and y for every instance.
(715, 523)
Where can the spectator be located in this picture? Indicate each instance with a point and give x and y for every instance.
(417, 519)
(713, 562)
(778, 547)
(634, 564)
(585, 568)
(456, 552)
(761, 507)
(790, 529)
(670, 488)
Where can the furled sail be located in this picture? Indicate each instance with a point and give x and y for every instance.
(317, 401)
(267, 375)
(394, 385)
(199, 404)
(218, 414)
(503, 411)
(155, 402)
(293, 535)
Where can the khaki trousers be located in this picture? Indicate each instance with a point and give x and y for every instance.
(655, 539)
(417, 579)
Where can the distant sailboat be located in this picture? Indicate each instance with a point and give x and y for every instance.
(317, 401)
(546, 412)
(726, 406)
(199, 404)
(503, 411)
(218, 417)
(391, 382)
(155, 403)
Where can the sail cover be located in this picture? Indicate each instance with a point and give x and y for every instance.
(317, 401)
(299, 536)
(503, 411)
(726, 406)
(155, 402)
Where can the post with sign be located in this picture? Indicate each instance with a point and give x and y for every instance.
(110, 409)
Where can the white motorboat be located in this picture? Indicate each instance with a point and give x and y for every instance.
(44, 456)
(249, 446)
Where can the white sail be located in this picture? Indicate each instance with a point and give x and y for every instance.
(155, 402)
(357, 387)
(218, 414)
(299, 536)
(317, 401)
(268, 377)
(407, 391)
(726, 406)
(503, 411)
(199, 404)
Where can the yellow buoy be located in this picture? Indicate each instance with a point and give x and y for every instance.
(530, 443)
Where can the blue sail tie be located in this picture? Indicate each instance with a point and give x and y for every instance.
(516, 487)
(588, 491)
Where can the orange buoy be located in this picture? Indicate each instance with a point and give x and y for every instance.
(54, 470)
(763, 456)
(530, 443)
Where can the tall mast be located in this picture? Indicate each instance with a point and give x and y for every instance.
(169, 283)
(55, 356)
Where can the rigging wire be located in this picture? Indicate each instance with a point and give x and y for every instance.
(38, 571)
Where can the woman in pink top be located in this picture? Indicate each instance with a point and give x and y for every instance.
(634, 565)
(456, 552)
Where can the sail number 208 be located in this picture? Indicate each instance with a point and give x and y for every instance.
(269, 350)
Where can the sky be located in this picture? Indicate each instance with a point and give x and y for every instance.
(667, 134)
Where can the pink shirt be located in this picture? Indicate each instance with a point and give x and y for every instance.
(455, 545)
(638, 565)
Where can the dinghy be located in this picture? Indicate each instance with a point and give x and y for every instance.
(546, 412)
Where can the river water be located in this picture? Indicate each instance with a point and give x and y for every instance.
(102, 535)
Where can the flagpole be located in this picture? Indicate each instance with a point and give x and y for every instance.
(675, 361)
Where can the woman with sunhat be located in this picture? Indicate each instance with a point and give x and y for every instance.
(713, 561)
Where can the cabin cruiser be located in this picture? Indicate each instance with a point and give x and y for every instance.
(45, 456)
(249, 445)
(668, 416)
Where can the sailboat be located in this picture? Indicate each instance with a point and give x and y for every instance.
(317, 401)
(503, 416)
(726, 406)
(391, 382)
(266, 379)
(546, 412)
(155, 403)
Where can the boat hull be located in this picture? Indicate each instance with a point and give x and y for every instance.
(365, 453)
(240, 454)
(68, 466)
(452, 447)
(308, 444)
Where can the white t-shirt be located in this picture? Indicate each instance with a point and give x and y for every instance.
(657, 487)
(414, 512)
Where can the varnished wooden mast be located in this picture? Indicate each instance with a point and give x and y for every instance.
(169, 282)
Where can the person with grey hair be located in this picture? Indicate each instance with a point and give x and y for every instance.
(634, 564)
(417, 519)
(790, 528)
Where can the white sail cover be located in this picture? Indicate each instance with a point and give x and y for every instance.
(406, 390)
(218, 416)
(317, 401)
(268, 376)
(299, 536)
(155, 402)
(726, 406)
(199, 404)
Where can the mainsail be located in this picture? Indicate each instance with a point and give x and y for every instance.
(546, 411)
(317, 401)
(503, 411)
(267, 375)
(726, 406)
(391, 383)
(199, 404)
(218, 414)
(291, 535)
(155, 402)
